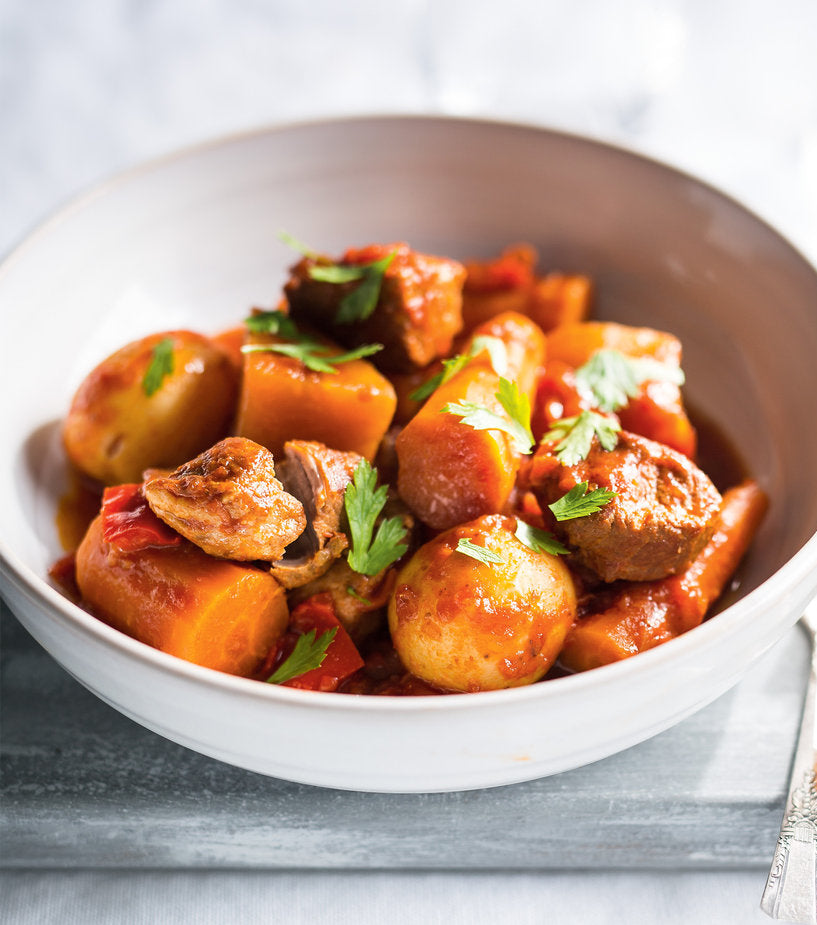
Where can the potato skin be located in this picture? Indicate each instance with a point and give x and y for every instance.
(114, 430)
(463, 625)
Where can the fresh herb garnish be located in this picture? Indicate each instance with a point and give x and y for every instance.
(613, 378)
(358, 304)
(580, 502)
(538, 540)
(313, 355)
(493, 345)
(517, 407)
(307, 655)
(480, 553)
(272, 322)
(357, 596)
(363, 502)
(575, 435)
(296, 245)
(160, 365)
(336, 273)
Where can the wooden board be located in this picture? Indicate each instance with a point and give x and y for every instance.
(82, 786)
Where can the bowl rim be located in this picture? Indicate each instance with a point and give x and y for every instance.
(766, 595)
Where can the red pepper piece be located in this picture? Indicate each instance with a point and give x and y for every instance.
(342, 658)
(129, 524)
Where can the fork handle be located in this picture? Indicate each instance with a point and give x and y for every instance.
(791, 888)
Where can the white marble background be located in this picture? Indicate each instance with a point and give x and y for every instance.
(726, 89)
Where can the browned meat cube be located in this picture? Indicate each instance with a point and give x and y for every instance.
(318, 477)
(417, 314)
(358, 601)
(229, 502)
(664, 511)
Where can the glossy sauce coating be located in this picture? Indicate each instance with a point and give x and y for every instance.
(466, 625)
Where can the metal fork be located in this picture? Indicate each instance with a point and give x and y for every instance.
(791, 889)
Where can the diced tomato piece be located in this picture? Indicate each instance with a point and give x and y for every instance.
(129, 524)
(513, 269)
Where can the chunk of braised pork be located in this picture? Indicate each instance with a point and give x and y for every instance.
(229, 502)
(417, 314)
(662, 515)
(317, 476)
(359, 601)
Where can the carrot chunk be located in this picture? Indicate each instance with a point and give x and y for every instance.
(449, 472)
(216, 613)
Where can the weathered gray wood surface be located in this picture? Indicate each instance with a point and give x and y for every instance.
(83, 786)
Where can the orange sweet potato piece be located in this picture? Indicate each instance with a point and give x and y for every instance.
(213, 612)
(560, 298)
(658, 411)
(642, 615)
(450, 473)
(282, 400)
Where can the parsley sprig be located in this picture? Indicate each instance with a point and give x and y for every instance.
(480, 553)
(313, 354)
(272, 322)
(516, 424)
(492, 345)
(575, 435)
(160, 365)
(363, 502)
(580, 501)
(307, 655)
(360, 302)
(613, 378)
(538, 540)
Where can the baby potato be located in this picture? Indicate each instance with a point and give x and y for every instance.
(467, 625)
(121, 423)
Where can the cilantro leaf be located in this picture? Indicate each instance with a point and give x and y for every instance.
(480, 553)
(517, 404)
(307, 655)
(613, 378)
(355, 594)
(272, 322)
(450, 369)
(538, 540)
(575, 435)
(336, 273)
(517, 407)
(496, 350)
(313, 355)
(363, 502)
(297, 245)
(493, 345)
(580, 502)
(160, 365)
(358, 304)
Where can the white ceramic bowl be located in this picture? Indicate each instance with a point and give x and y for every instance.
(192, 240)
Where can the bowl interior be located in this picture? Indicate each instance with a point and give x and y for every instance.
(192, 241)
